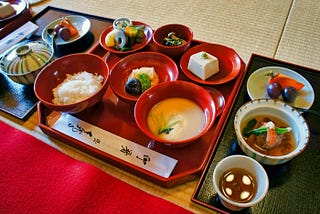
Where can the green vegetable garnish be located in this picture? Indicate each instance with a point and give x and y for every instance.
(250, 125)
(145, 81)
(167, 128)
(270, 74)
(173, 40)
(164, 126)
(263, 130)
(204, 55)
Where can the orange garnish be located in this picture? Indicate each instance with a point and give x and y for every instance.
(67, 23)
(285, 81)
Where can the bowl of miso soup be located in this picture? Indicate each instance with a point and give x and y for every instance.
(175, 113)
(271, 131)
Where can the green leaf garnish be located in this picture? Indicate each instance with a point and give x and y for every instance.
(204, 55)
(168, 128)
(263, 130)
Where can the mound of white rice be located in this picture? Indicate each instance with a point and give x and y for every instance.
(77, 87)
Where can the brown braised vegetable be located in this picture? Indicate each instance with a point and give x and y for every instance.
(173, 40)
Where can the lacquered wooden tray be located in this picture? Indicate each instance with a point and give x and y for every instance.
(22, 15)
(115, 116)
(294, 186)
(19, 100)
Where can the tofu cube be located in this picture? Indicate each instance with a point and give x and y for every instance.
(6, 10)
(203, 65)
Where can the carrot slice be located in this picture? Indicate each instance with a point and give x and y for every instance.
(67, 23)
(286, 81)
(271, 137)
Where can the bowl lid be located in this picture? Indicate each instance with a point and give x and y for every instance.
(26, 57)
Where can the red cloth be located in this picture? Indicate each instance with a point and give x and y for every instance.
(36, 178)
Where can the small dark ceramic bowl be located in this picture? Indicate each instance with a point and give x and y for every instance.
(172, 51)
(174, 89)
(55, 73)
(166, 69)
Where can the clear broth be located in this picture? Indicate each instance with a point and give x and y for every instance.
(238, 185)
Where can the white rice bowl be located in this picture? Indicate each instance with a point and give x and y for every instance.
(76, 88)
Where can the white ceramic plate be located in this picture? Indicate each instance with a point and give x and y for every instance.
(82, 24)
(257, 86)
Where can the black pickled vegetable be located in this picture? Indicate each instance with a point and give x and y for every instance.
(64, 33)
(133, 87)
(274, 90)
(289, 94)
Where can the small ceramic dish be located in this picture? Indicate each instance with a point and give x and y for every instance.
(23, 62)
(229, 63)
(269, 108)
(247, 165)
(258, 81)
(81, 23)
(136, 47)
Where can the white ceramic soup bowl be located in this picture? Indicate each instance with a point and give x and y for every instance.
(251, 166)
(276, 109)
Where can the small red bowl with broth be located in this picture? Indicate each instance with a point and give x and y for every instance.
(175, 113)
(165, 36)
(271, 131)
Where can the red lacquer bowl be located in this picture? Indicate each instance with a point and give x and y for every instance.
(136, 47)
(55, 73)
(229, 63)
(165, 67)
(19, 6)
(175, 89)
(172, 51)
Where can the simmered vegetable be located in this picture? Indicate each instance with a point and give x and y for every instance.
(284, 81)
(145, 81)
(141, 79)
(173, 40)
(280, 84)
(65, 29)
(64, 33)
(125, 37)
(133, 87)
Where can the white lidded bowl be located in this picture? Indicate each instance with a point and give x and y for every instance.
(277, 109)
(23, 62)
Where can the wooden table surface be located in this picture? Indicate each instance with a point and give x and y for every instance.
(287, 30)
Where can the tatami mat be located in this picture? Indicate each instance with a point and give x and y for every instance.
(247, 26)
(285, 29)
(300, 43)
